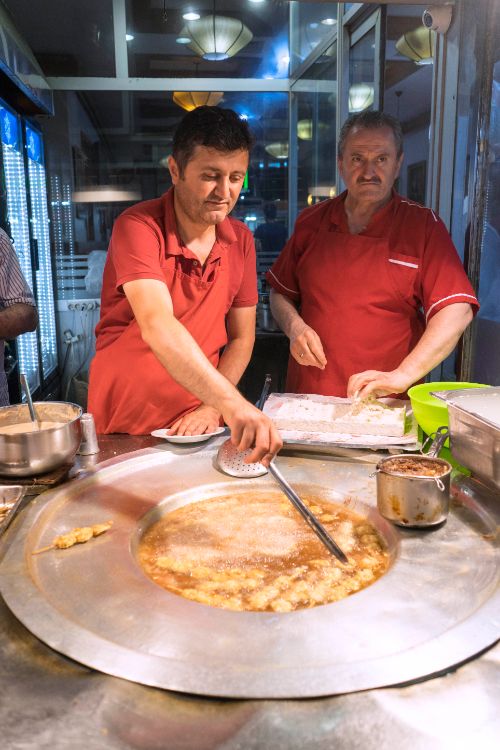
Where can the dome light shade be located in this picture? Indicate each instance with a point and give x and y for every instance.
(361, 96)
(305, 129)
(418, 45)
(190, 100)
(278, 150)
(217, 37)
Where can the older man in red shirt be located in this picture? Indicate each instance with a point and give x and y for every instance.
(369, 289)
(180, 285)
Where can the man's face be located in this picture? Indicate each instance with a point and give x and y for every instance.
(210, 185)
(369, 164)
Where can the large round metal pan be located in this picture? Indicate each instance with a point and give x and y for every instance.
(434, 608)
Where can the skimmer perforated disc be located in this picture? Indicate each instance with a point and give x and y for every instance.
(231, 461)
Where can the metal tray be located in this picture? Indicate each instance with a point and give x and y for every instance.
(474, 439)
(11, 497)
(436, 606)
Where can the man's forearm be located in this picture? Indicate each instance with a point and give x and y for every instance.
(17, 319)
(179, 353)
(285, 314)
(438, 341)
(234, 359)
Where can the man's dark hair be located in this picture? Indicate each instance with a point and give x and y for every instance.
(212, 127)
(371, 119)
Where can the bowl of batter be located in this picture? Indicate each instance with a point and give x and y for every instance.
(28, 448)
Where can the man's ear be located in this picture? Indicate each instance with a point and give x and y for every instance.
(173, 169)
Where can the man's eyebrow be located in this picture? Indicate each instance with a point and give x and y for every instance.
(208, 168)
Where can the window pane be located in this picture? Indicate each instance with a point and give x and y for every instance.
(316, 130)
(313, 22)
(362, 73)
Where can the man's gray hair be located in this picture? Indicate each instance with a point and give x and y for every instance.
(371, 119)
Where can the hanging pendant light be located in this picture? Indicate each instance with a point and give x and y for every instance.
(217, 37)
(361, 96)
(278, 150)
(418, 45)
(190, 100)
(305, 129)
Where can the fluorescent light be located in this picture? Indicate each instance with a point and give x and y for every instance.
(191, 16)
(183, 40)
(329, 21)
(129, 37)
(255, 1)
(106, 194)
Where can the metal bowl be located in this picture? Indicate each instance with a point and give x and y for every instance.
(28, 453)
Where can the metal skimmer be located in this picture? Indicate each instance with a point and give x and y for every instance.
(231, 461)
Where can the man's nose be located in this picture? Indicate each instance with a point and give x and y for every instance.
(222, 189)
(368, 169)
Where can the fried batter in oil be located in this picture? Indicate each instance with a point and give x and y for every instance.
(254, 552)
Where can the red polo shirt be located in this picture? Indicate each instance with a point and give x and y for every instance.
(129, 390)
(367, 295)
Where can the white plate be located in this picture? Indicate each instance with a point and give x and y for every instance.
(186, 438)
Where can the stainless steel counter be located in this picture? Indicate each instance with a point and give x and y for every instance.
(49, 701)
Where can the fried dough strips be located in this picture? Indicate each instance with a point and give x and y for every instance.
(76, 536)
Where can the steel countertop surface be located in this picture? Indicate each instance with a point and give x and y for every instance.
(47, 700)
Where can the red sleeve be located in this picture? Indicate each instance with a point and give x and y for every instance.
(135, 250)
(247, 296)
(444, 281)
(282, 274)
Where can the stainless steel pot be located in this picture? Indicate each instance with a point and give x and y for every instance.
(414, 500)
(474, 416)
(29, 453)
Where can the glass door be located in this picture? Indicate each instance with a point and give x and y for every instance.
(17, 211)
(41, 244)
(364, 64)
(486, 363)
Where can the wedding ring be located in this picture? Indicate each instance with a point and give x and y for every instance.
(301, 354)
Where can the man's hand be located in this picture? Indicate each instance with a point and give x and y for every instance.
(305, 344)
(306, 347)
(250, 428)
(197, 422)
(376, 383)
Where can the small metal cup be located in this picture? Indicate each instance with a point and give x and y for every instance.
(89, 444)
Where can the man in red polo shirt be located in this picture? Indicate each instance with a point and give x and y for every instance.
(179, 285)
(369, 289)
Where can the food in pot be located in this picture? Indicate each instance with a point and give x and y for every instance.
(80, 535)
(254, 552)
(21, 427)
(415, 466)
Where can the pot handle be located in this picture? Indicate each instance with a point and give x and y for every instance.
(438, 440)
(440, 484)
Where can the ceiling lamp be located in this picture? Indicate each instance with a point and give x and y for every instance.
(278, 150)
(216, 37)
(361, 96)
(305, 129)
(418, 45)
(189, 100)
(106, 194)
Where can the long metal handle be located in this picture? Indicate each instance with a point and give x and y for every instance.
(438, 440)
(265, 392)
(26, 389)
(306, 514)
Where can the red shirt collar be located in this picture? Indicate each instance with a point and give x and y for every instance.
(378, 223)
(224, 231)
